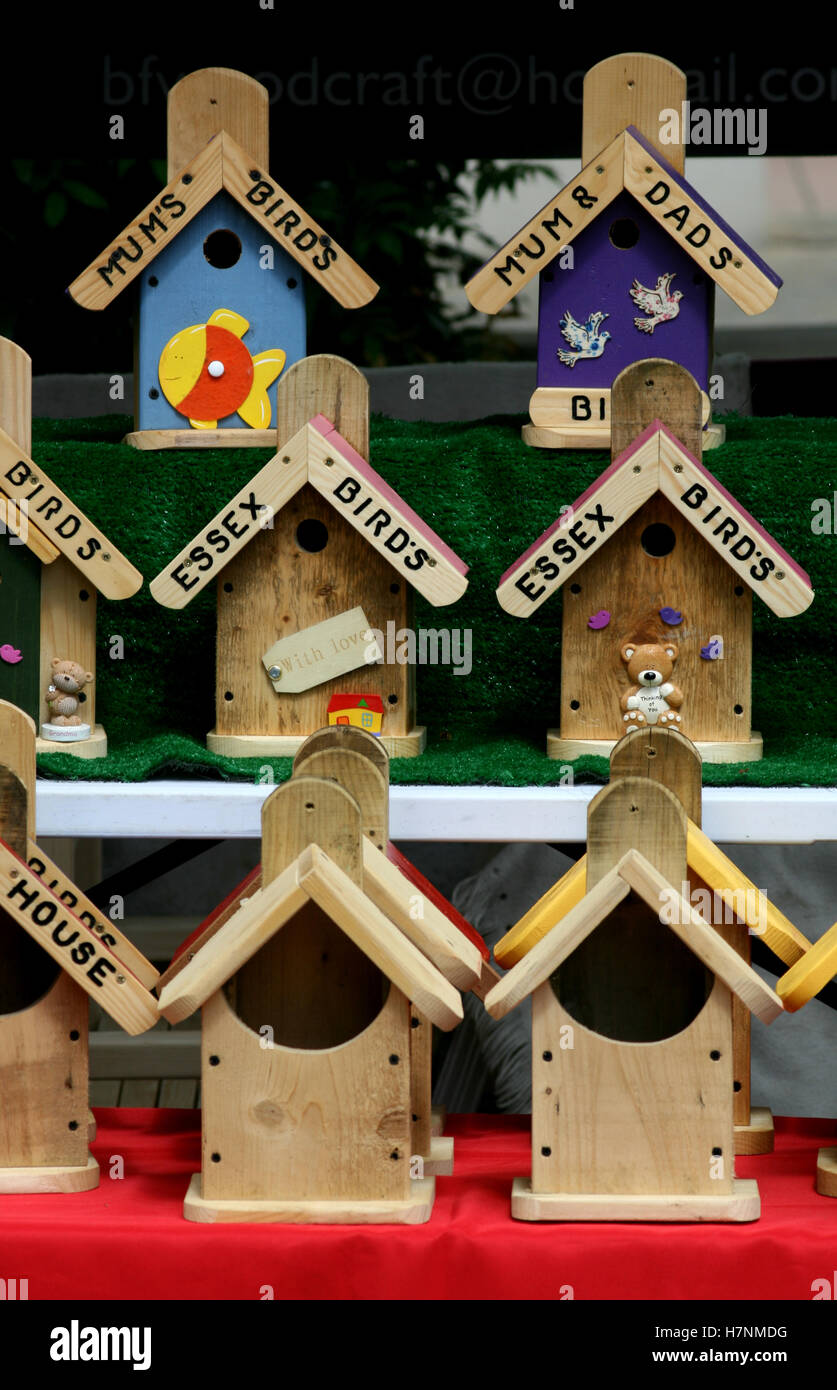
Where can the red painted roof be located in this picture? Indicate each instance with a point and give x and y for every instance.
(338, 701)
(416, 877)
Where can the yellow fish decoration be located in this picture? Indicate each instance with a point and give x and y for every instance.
(207, 373)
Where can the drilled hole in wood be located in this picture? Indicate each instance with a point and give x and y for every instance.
(228, 695)
(736, 1086)
(222, 248)
(154, 394)
(624, 233)
(650, 752)
(73, 1125)
(575, 588)
(83, 595)
(575, 704)
(395, 1154)
(214, 1061)
(547, 1056)
(738, 709)
(393, 699)
(658, 540)
(74, 1035)
(394, 1059)
(716, 1152)
(738, 590)
(715, 1055)
(153, 281)
(216, 1158)
(546, 1151)
(309, 805)
(292, 283)
(312, 535)
(228, 588)
(395, 588)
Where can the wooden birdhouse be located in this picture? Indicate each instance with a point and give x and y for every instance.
(218, 256)
(658, 564)
(627, 254)
(734, 906)
(632, 1033)
(57, 949)
(53, 562)
(309, 990)
(359, 764)
(314, 556)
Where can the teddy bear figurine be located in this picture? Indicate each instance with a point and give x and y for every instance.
(62, 697)
(651, 699)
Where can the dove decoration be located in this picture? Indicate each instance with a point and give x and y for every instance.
(626, 250)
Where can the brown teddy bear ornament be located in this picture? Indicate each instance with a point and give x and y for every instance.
(651, 699)
(62, 697)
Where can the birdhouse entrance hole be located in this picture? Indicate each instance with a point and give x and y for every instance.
(632, 979)
(28, 973)
(310, 985)
(658, 540)
(312, 535)
(624, 233)
(222, 248)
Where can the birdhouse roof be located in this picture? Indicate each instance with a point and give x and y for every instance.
(318, 454)
(656, 461)
(222, 165)
(339, 701)
(50, 524)
(630, 163)
(101, 973)
(457, 955)
(311, 877)
(634, 873)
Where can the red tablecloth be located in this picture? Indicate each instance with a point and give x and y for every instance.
(128, 1238)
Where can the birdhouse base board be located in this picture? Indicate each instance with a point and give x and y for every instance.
(438, 1117)
(96, 746)
(566, 437)
(736, 751)
(288, 745)
(63, 1178)
(414, 1211)
(742, 1204)
(827, 1172)
(757, 1136)
(439, 1162)
(201, 439)
(91, 1127)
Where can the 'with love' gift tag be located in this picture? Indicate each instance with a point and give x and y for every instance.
(319, 653)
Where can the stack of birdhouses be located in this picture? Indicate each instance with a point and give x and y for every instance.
(627, 252)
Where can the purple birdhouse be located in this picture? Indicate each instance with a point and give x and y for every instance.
(627, 255)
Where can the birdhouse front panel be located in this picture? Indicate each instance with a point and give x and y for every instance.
(306, 1123)
(309, 567)
(627, 1118)
(20, 609)
(630, 292)
(221, 314)
(656, 584)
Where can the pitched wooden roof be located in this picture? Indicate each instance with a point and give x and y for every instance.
(318, 454)
(634, 872)
(100, 972)
(656, 462)
(52, 524)
(222, 165)
(632, 164)
(311, 877)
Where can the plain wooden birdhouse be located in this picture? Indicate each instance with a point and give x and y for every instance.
(310, 980)
(656, 561)
(627, 255)
(714, 885)
(218, 259)
(58, 952)
(632, 1033)
(53, 562)
(358, 763)
(313, 556)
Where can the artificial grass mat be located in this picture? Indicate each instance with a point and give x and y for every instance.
(488, 496)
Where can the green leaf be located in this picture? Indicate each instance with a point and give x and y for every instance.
(54, 208)
(83, 193)
(24, 169)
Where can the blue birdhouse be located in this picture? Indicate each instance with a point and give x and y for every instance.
(219, 258)
(627, 255)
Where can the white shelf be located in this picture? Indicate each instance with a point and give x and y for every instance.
(211, 810)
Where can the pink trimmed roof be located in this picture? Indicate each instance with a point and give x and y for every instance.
(330, 433)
